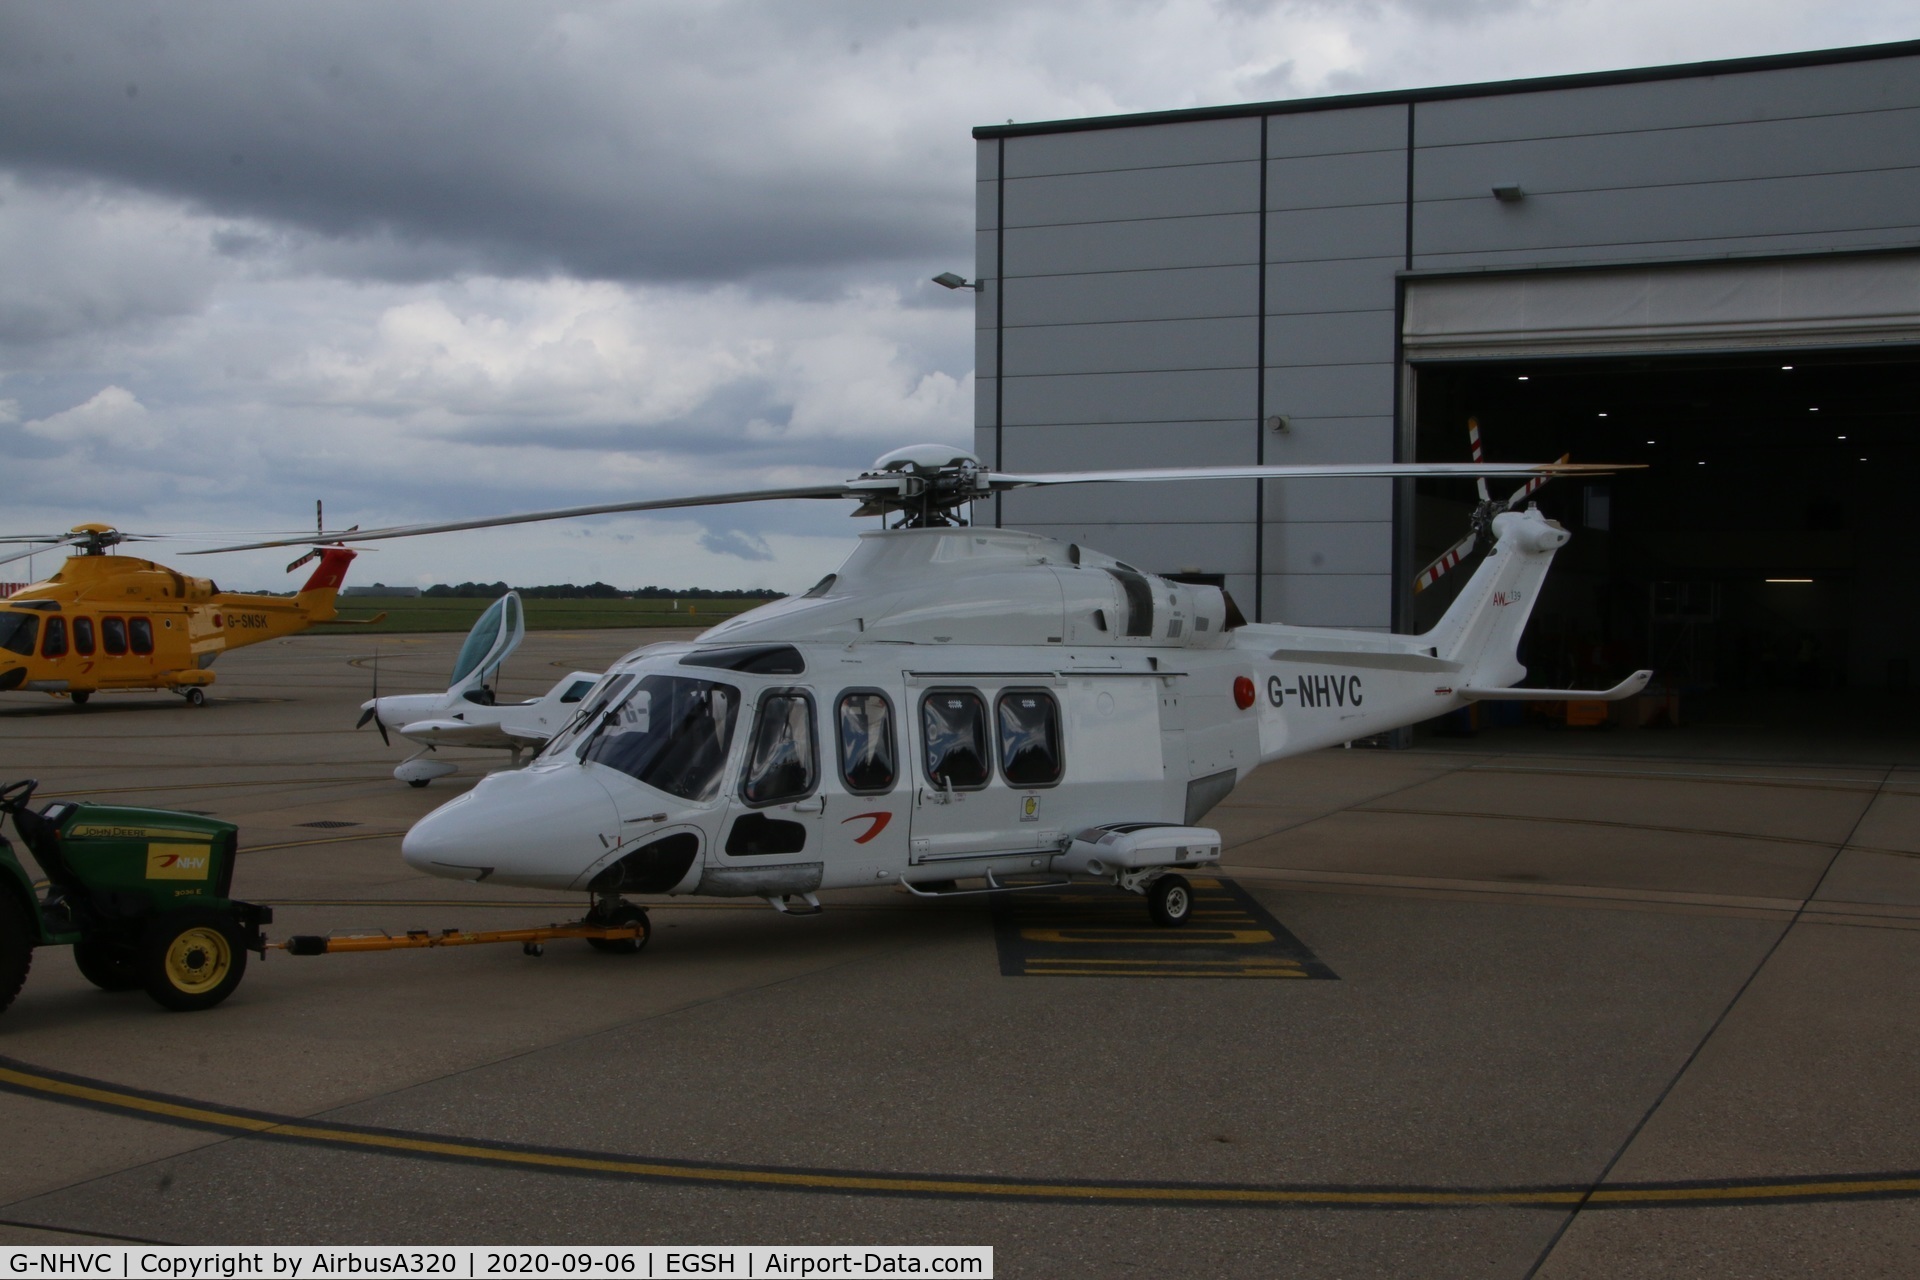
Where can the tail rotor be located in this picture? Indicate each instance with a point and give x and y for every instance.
(1480, 531)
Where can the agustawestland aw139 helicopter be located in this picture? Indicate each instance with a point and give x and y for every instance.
(108, 622)
(469, 713)
(965, 710)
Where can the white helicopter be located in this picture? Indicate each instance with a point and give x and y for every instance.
(965, 710)
(469, 713)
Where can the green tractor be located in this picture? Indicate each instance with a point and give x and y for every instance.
(139, 894)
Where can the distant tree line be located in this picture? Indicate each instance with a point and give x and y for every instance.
(592, 591)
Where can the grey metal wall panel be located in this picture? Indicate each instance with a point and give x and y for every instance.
(1345, 337)
(986, 205)
(1189, 502)
(1665, 104)
(1310, 440)
(1320, 182)
(1329, 599)
(986, 256)
(1364, 231)
(1339, 391)
(1185, 396)
(983, 401)
(1343, 546)
(1674, 157)
(1337, 131)
(1079, 446)
(984, 343)
(1340, 284)
(1162, 548)
(1142, 345)
(1150, 146)
(1186, 192)
(1669, 222)
(1182, 293)
(1328, 501)
(1133, 246)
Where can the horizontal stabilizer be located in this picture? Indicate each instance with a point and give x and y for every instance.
(1625, 689)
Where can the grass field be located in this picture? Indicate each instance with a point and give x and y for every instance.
(410, 613)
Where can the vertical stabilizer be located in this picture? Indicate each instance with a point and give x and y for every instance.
(316, 598)
(1481, 630)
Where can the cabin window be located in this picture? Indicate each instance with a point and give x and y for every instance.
(577, 690)
(18, 631)
(140, 635)
(83, 637)
(55, 643)
(1030, 738)
(669, 732)
(953, 723)
(782, 764)
(113, 635)
(869, 764)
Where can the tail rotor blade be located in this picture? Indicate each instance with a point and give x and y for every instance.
(1528, 489)
(1448, 559)
(1473, 443)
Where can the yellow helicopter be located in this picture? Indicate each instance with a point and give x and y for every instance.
(117, 622)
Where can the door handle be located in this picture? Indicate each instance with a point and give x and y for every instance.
(817, 804)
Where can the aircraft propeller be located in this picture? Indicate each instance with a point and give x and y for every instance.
(373, 708)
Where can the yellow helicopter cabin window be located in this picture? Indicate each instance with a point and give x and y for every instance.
(954, 722)
(55, 643)
(83, 637)
(869, 764)
(140, 635)
(113, 636)
(18, 631)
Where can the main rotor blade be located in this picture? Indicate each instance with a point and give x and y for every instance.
(1380, 470)
(558, 513)
(41, 550)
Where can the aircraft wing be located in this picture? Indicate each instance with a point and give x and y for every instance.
(463, 733)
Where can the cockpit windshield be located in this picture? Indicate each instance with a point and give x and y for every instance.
(670, 732)
(17, 631)
(592, 707)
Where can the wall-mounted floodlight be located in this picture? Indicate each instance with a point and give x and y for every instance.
(1279, 422)
(1508, 192)
(952, 281)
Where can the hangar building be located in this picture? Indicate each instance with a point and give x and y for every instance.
(1713, 269)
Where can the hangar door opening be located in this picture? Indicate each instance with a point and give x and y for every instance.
(1763, 565)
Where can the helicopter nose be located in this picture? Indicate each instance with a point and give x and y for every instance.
(536, 827)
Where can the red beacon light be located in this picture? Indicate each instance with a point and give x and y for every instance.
(1242, 692)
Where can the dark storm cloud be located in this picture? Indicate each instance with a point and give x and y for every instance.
(609, 142)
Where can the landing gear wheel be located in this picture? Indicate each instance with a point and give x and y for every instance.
(1170, 900)
(191, 960)
(196, 696)
(618, 918)
(17, 936)
(110, 966)
(79, 697)
(418, 782)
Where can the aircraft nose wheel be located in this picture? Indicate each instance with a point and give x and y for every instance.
(1170, 900)
(195, 697)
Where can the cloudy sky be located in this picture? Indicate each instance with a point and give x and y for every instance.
(430, 260)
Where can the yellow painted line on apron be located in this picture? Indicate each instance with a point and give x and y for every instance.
(208, 1115)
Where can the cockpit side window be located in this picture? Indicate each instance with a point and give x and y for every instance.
(869, 760)
(18, 631)
(954, 725)
(783, 764)
(670, 732)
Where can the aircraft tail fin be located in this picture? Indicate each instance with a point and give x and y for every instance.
(317, 596)
(1482, 628)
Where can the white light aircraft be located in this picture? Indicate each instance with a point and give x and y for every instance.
(965, 710)
(469, 713)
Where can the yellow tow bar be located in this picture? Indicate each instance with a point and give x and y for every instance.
(530, 940)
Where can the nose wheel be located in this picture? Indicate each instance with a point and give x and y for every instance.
(620, 914)
(1170, 900)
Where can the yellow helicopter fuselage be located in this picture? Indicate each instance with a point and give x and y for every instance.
(107, 622)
